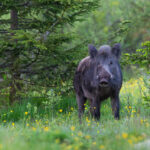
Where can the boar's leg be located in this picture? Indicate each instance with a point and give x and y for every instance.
(80, 101)
(95, 109)
(115, 106)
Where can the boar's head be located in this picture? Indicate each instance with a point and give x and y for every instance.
(105, 64)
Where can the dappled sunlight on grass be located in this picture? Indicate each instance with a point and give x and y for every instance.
(134, 88)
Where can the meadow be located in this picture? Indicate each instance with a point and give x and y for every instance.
(29, 126)
(41, 44)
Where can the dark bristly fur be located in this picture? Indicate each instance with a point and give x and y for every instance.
(98, 77)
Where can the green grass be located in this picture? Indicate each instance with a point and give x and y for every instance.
(32, 126)
(65, 132)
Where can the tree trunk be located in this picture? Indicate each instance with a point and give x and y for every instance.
(13, 69)
(14, 19)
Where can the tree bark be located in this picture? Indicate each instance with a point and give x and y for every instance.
(14, 19)
(13, 69)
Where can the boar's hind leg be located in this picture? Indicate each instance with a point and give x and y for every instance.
(115, 106)
(80, 101)
(95, 109)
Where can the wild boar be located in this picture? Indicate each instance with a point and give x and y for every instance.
(97, 78)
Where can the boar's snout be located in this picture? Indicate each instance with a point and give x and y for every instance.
(104, 78)
(103, 82)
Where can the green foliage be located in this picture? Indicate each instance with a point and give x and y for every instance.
(117, 21)
(146, 94)
(141, 58)
(34, 46)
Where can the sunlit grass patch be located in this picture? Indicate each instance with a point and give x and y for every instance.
(134, 88)
(131, 96)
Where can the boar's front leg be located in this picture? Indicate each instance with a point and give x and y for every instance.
(80, 101)
(115, 103)
(95, 109)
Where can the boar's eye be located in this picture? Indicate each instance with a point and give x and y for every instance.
(110, 62)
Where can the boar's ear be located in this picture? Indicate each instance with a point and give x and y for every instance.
(116, 50)
(92, 50)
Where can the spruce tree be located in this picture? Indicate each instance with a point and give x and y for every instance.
(31, 38)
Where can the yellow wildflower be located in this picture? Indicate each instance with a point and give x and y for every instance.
(142, 121)
(101, 146)
(46, 129)
(87, 119)
(87, 137)
(60, 110)
(13, 124)
(26, 113)
(27, 124)
(130, 107)
(130, 141)
(33, 128)
(124, 135)
(133, 111)
(72, 128)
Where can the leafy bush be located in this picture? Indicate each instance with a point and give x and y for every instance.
(142, 59)
(146, 94)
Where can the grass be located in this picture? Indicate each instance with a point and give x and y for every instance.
(27, 126)
(65, 133)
